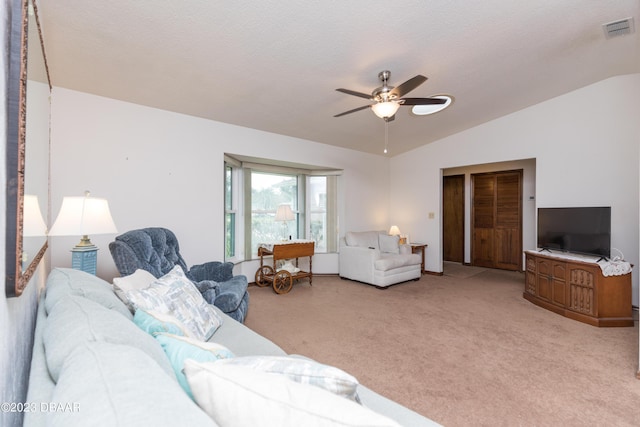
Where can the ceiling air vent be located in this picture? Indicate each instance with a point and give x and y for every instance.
(618, 28)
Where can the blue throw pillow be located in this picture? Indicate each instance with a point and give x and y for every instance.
(153, 323)
(180, 348)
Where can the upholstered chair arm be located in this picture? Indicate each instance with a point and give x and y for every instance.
(231, 293)
(405, 249)
(214, 270)
(209, 290)
(206, 285)
(356, 262)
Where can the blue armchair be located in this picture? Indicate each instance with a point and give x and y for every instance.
(156, 250)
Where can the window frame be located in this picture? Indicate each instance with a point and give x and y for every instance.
(242, 169)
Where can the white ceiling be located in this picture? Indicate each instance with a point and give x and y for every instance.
(274, 65)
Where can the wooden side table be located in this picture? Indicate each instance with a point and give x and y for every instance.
(422, 247)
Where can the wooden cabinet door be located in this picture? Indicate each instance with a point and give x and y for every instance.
(531, 286)
(559, 284)
(497, 220)
(582, 290)
(544, 279)
(552, 281)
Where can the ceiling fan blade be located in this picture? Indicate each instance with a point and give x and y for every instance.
(354, 93)
(352, 111)
(423, 101)
(408, 86)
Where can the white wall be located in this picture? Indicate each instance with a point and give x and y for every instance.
(586, 148)
(159, 168)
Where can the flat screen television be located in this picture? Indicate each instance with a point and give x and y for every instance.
(582, 230)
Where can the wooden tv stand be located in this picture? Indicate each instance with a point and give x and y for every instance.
(577, 290)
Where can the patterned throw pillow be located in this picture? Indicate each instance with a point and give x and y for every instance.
(302, 370)
(140, 279)
(241, 396)
(175, 294)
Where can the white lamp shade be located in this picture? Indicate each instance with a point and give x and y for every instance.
(385, 109)
(32, 222)
(394, 230)
(81, 216)
(284, 213)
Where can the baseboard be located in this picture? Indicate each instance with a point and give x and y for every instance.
(433, 273)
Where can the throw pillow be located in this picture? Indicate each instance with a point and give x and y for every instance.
(179, 348)
(154, 323)
(174, 293)
(239, 396)
(140, 279)
(389, 244)
(302, 370)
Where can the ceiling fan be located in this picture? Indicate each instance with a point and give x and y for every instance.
(388, 99)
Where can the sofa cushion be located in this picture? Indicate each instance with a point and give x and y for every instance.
(179, 348)
(389, 244)
(243, 341)
(76, 320)
(239, 396)
(302, 370)
(64, 281)
(389, 261)
(364, 239)
(98, 389)
(175, 294)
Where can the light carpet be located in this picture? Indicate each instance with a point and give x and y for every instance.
(460, 351)
(461, 271)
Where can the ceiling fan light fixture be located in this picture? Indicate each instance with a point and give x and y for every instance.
(423, 110)
(385, 109)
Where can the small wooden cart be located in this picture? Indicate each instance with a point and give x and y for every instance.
(282, 281)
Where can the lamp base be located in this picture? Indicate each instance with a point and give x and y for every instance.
(85, 258)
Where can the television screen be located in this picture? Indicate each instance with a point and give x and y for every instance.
(583, 230)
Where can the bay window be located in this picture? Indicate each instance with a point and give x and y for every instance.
(311, 195)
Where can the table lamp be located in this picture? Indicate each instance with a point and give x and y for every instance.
(284, 214)
(81, 216)
(395, 231)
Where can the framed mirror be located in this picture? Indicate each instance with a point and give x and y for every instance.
(27, 157)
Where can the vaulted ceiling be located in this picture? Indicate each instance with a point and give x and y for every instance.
(274, 65)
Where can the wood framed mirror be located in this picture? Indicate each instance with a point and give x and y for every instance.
(27, 147)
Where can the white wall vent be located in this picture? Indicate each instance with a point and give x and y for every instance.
(618, 28)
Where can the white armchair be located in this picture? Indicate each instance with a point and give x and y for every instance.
(376, 258)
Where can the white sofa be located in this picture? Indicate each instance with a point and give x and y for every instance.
(376, 258)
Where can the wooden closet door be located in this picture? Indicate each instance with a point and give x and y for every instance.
(497, 220)
(483, 220)
(453, 218)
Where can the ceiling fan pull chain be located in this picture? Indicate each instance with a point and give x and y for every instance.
(386, 135)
